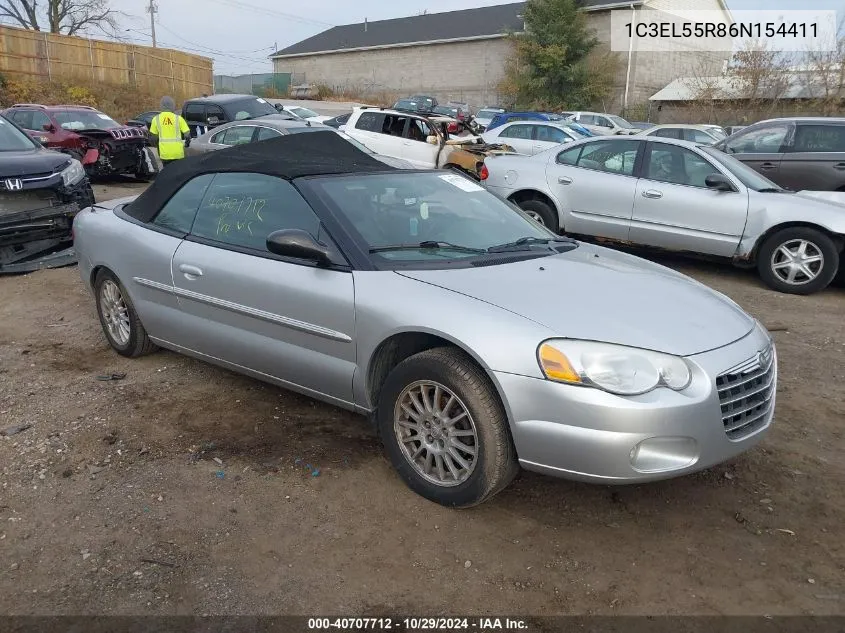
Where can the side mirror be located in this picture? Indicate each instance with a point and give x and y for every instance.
(452, 128)
(719, 182)
(48, 127)
(298, 244)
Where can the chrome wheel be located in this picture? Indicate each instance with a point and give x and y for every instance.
(436, 433)
(535, 216)
(797, 262)
(115, 313)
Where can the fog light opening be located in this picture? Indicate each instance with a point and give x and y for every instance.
(662, 454)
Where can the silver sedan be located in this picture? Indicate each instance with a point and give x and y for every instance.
(476, 340)
(680, 196)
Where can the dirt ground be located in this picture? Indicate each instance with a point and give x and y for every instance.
(186, 489)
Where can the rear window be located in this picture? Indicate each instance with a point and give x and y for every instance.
(486, 114)
(820, 138)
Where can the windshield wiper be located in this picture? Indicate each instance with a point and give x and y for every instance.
(525, 243)
(428, 244)
(772, 190)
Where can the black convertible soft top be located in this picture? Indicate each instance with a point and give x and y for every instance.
(289, 157)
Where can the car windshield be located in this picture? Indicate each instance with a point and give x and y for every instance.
(85, 120)
(620, 122)
(12, 139)
(251, 109)
(746, 175)
(305, 113)
(486, 114)
(429, 216)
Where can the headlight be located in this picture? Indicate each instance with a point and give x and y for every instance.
(621, 370)
(73, 173)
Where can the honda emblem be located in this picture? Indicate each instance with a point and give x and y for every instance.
(14, 184)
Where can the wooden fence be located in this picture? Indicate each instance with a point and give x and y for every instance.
(48, 56)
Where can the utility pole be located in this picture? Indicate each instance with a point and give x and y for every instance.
(152, 9)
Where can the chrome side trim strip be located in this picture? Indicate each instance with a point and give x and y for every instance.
(270, 317)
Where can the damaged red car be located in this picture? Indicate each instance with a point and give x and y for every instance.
(101, 144)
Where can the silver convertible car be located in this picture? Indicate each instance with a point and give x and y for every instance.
(475, 339)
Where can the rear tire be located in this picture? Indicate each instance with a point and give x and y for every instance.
(541, 212)
(118, 317)
(798, 260)
(445, 429)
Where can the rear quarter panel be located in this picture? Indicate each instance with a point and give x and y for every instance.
(104, 240)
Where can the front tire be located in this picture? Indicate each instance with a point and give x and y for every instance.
(445, 430)
(798, 260)
(541, 212)
(120, 321)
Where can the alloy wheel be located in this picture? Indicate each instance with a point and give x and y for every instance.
(436, 433)
(115, 313)
(797, 262)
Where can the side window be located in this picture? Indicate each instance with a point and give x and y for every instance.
(764, 140)
(549, 134)
(237, 135)
(242, 209)
(39, 120)
(588, 119)
(666, 132)
(419, 130)
(677, 165)
(393, 125)
(370, 122)
(517, 131)
(213, 112)
(23, 118)
(819, 138)
(569, 156)
(697, 136)
(616, 156)
(603, 122)
(178, 213)
(195, 113)
(265, 133)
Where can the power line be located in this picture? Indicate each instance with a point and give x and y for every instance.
(215, 51)
(273, 12)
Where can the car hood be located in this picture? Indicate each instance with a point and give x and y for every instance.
(32, 161)
(597, 294)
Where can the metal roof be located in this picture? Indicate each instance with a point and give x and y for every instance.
(796, 85)
(466, 24)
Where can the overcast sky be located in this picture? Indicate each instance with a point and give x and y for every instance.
(239, 34)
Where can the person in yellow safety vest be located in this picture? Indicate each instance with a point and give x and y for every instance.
(169, 129)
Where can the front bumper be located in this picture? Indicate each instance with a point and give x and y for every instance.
(590, 435)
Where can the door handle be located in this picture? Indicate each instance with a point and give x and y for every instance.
(839, 166)
(652, 193)
(565, 180)
(190, 272)
(768, 166)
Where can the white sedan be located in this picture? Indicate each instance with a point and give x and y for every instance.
(531, 137)
(304, 113)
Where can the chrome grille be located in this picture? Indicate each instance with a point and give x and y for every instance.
(746, 393)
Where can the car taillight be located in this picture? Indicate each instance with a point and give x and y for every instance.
(485, 173)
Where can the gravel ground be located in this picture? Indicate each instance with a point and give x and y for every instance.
(186, 489)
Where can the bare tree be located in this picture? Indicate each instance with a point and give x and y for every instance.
(69, 17)
(823, 76)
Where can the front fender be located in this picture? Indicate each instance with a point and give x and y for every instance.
(388, 303)
(766, 215)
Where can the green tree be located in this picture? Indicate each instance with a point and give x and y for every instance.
(555, 61)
